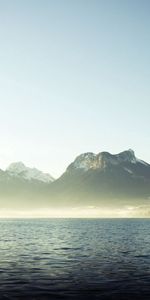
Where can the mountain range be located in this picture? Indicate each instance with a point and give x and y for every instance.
(102, 179)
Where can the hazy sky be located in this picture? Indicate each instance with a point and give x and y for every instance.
(74, 77)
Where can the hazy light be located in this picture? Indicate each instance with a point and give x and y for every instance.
(87, 212)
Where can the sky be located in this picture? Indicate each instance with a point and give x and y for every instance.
(74, 78)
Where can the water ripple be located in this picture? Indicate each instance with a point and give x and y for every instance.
(74, 259)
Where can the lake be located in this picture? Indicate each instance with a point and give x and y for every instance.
(74, 259)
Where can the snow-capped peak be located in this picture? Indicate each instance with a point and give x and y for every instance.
(84, 161)
(90, 160)
(18, 169)
(127, 156)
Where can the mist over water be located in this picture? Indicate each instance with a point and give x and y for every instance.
(74, 259)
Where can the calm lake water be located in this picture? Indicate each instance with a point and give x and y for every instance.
(75, 259)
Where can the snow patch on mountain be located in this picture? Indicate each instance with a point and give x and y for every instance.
(18, 169)
(127, 156)
(84, 161)
(89, 160)
(128, 170)
(141, 162)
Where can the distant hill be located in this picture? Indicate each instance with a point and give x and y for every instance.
(23, 187)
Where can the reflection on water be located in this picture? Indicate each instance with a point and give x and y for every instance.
(75, 259)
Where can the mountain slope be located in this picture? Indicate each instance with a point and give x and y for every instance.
(97, 178)
(19, 170)
(23, 187)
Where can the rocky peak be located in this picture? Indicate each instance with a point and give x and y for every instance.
(127, 156)
(93, 161)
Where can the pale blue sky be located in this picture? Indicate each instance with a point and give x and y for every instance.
(74, 77)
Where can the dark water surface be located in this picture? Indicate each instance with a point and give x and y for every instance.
(75, 259)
